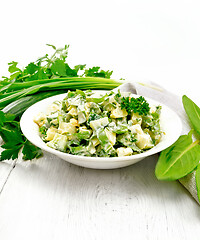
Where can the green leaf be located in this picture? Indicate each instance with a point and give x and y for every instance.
(13, 142)
(70, 72)
(7, 122)
(2, 118)
(193, 112)
(198, 181)
(11, 153)
(13, 67)
(179, 159)
(58, 68)
(15, 75)
(6, 117)
(11, 134)
(31, 68)
(50, 45)
(78, 68)
(40, 74)
(96, 72)
(30, 151)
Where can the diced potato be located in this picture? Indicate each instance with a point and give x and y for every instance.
(123, 151)
(144, 141)
(136, 129)
(51, 133)
(102, 122)
(73, 111)
(87, 109)
(59, 142)
(74, 122)
(83, 129)
(109, 107)
(136, 118)
(95, 141)
(111, 136)
(118, 113)
(66, 128)
(74, 101)
(92, 149)
(40, 119)
(54, 107)
(81, 118)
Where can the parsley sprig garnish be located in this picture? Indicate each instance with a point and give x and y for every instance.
(137, 105)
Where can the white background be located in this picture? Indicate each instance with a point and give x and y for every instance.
(139, 40)
(152, 40)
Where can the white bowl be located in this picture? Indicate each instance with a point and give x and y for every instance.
(169, 121)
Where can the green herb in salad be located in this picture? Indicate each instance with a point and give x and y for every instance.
(97, 126)
(139, 105)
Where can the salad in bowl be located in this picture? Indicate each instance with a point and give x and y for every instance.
(100, 129)
(108, 125)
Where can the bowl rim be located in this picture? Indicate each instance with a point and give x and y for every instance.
(25, 119)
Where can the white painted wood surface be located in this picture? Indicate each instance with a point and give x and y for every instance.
(5, 170)
(52, 199)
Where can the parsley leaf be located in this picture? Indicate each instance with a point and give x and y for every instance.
(14, 140)
(31, 68)
(30, 151)
(96, 72)
(11, 153)
(58, 67)
(137, 105)
(13, 67)
(50, 45)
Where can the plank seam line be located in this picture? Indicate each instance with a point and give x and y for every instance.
(1, 190)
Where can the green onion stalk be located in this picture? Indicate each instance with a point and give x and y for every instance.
(17, 97)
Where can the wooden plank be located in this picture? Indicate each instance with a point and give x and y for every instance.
(52, 199)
